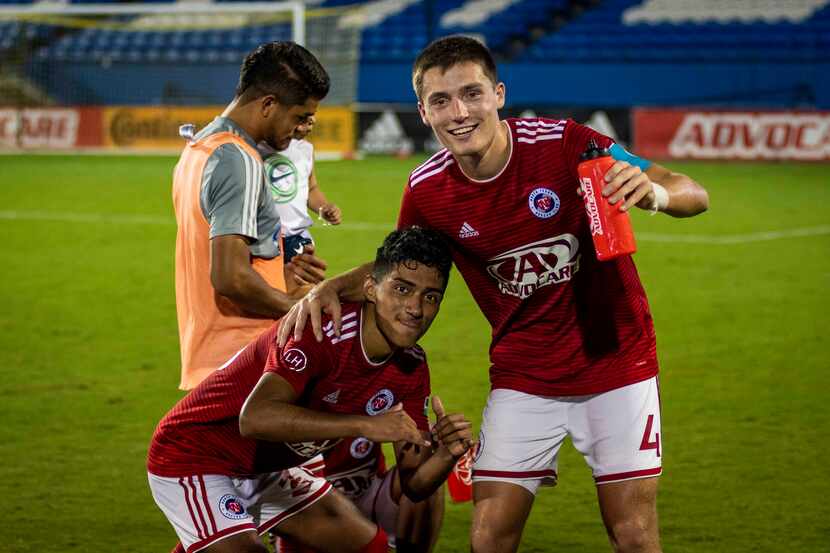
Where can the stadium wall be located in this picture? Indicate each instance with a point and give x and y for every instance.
(632, 84)
(621, 85)
(122, 83)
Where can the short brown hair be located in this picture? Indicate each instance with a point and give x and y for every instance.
(448, 51)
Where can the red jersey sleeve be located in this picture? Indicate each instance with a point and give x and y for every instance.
(576, 138)
(301, 361)
(409, 214)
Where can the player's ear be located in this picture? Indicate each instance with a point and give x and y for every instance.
(500, 94)
(370, 289)
(423, 113)
(267, 104)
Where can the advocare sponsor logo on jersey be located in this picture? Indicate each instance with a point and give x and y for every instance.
(543, 203)
(361, 447)
(591, 205)
(380, 402)
(355, 482)
(295, 359)
(523, 270)
(310, 449)
(753, 136)
(281, 174)
(232, 507)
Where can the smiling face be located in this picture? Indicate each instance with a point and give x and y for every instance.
(405, 302)
(461, 106)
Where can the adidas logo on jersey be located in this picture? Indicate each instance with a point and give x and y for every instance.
(467, 231)
(332, 397)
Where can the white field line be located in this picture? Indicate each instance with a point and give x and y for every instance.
(726, 239)
(128, 219)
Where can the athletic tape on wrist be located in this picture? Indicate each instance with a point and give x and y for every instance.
(661, 198)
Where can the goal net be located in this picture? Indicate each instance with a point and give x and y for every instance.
(124, 76)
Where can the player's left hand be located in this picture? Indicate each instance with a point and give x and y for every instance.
(307, 268)
(331, 214)
(453, 432)
(628, 186)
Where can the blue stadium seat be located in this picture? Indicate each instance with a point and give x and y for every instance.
(599, 34)
(607, 38)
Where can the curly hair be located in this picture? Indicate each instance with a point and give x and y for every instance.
(284, 69)
(412, 246)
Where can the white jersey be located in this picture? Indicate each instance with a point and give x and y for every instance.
(288, 172)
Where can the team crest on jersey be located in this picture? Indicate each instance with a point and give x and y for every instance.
(295, 359)
(232, 507)
(380, 402)
(523, 270)
(361, 447)
(543, 202)
(310, 449)
(281, 175)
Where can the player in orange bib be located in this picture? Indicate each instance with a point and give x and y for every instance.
(230, 279)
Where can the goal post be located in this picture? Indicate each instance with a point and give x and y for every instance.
(40, 11)
(137, 70)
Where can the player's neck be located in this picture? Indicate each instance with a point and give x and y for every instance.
(375, 345)
(492, 161)
(241, 116)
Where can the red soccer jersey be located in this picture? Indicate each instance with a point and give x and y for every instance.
(351, 465)
(563, 322)
(200, 435)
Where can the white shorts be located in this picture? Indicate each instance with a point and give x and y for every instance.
(377, 504)
(618, 433)
(206, 508)
(370, 491)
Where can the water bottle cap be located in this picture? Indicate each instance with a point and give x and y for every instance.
(594, 151)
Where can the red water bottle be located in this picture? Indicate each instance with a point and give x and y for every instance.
(460, 480)
(610, 227)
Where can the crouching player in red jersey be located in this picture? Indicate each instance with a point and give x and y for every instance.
(223, 463)
(573, 346)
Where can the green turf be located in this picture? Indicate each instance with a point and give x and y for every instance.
(89, 356)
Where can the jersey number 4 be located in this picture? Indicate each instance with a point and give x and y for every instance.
(646, 442)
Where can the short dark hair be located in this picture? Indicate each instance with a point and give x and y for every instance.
(413, 245)
(284, 69)
(448, 51)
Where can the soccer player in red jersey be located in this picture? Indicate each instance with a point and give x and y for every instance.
(573, 347)
(223, 463)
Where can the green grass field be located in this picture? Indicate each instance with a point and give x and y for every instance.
(89, 355)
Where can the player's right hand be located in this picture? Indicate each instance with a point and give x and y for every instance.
(331, 213)
(307, 268)
(394, 426)
(452, 431)
(321, 298)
